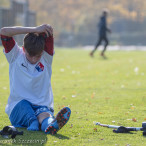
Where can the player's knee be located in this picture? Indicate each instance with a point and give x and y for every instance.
(106, 43)
(43, 116)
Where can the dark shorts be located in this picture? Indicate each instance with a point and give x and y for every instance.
(24, 113)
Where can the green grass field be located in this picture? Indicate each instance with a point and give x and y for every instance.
(110, 91)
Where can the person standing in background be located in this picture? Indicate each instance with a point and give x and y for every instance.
(103, 29)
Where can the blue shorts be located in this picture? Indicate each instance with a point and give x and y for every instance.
(24, 113)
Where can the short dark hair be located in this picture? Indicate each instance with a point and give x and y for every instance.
(105, 11)
(34, 44)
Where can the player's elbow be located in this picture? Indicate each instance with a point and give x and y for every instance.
(3, 31)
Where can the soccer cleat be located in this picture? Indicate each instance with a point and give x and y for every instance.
(60, 120)
(102, 55)
(91, 54)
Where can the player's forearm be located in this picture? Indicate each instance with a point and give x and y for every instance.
(11, 31)
(108, 30)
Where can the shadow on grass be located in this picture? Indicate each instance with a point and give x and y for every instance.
(60, 136)
(104, 58)
(126, 133)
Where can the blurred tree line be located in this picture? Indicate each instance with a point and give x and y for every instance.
(75, 21)
(4, 3)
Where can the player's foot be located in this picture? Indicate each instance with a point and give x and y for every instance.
(60, 120)
(91, 54)
(102, 54)
(34, 126)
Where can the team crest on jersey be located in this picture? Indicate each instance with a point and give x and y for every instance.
(39, 67)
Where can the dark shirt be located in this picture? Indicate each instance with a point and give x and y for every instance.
(102, 26)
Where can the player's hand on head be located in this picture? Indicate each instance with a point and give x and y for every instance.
(45, 28)
(49, 29)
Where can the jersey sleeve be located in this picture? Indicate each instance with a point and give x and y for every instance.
(11, 49)
(8, 43)
(49, 48)
(49, 44)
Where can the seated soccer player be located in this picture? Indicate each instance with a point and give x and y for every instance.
(30, 103)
